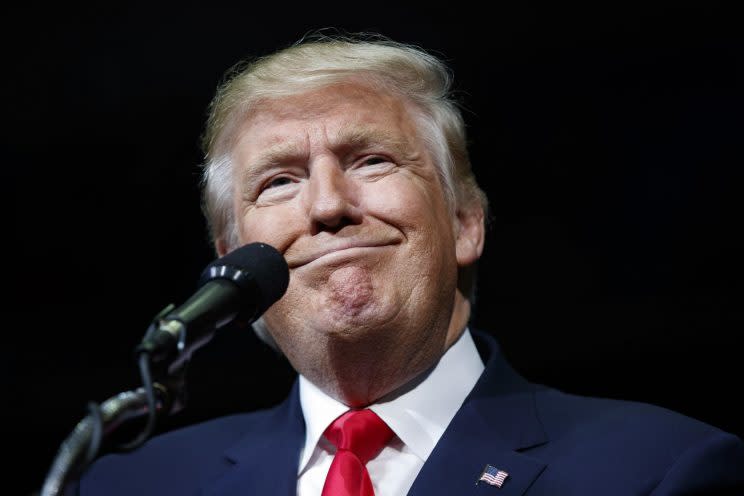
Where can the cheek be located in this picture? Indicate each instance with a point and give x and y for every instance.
(414, 206)
(276, 226)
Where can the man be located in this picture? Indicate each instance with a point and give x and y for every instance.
(349, 157)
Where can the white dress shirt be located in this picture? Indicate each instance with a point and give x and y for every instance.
(418, 417)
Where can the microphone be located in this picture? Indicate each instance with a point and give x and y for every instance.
(239, 286)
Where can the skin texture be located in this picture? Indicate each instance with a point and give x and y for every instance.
(339, 181)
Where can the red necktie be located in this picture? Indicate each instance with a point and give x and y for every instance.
(359, 435)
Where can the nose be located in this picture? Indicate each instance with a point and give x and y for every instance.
(332, 198)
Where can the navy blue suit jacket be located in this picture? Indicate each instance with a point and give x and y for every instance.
(549, 442)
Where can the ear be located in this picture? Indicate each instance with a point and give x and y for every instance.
(470, 234)
(221, 246)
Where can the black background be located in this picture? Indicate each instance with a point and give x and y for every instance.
(607, 136)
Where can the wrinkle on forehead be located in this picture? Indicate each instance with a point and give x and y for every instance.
(347, 139)
(287, 129)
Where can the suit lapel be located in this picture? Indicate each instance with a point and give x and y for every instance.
(470, 443)
(265, 460)
(496, 420)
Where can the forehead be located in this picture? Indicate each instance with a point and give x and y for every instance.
(341, 114)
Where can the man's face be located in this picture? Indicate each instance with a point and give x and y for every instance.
(339, 181)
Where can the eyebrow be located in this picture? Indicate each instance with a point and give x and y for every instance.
(277, 154)
(358, 138)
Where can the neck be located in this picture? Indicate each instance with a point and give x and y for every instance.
(357, 373)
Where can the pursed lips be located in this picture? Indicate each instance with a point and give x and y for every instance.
(304, 259)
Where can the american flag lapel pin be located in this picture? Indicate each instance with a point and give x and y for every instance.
(493, 476)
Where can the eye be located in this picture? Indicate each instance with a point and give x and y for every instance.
(277, 188)
(278, 181)
(374, 160)
(373, 167)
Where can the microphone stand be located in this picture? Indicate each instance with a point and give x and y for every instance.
(75, 454)
(166, 396)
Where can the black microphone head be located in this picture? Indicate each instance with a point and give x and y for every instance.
(258, 269)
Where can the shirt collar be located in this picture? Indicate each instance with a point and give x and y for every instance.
(418, 413)
(319, 411)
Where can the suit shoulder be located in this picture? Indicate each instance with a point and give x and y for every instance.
(562, 413)
(212, 434)
(635, 430)
(194, 453)
(645, 445)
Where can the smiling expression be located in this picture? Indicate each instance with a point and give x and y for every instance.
(340, 182)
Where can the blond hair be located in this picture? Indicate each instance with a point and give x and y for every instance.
(409, 72)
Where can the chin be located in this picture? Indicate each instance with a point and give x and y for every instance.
(355, 319)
